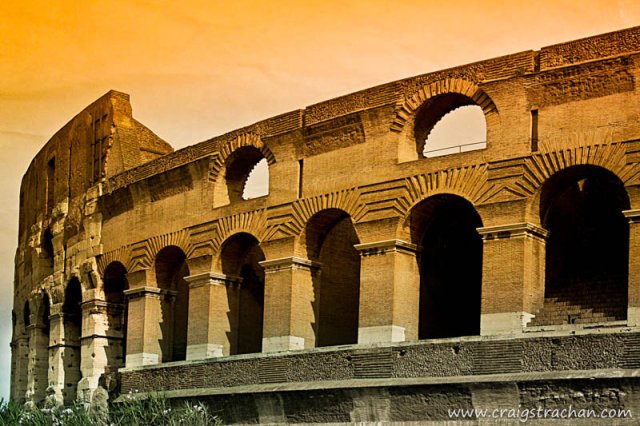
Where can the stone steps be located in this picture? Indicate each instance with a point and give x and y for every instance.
(594, 302)
(273, 370)
(631, 358)
(373, 364)
(498, 357)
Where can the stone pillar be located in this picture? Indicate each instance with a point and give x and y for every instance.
(289, 315)
(20, 356)
(389, 292)
(143, 326)
(100, 345)
(633, 309)
(212, 325)
(57, 353)
(64, 355)
(513, 266)
(38, 370)
(13, 391)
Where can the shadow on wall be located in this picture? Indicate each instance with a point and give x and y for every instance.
(241, 257)
(171, 268)
(330, 240)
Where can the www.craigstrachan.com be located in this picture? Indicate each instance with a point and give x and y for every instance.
(526, 414)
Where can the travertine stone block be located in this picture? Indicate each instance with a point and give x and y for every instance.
(289, 304)
(212, 297)
(143, 325)
(389, 292)
(512, 276)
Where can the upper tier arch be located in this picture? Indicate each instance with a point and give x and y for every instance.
(422, 110)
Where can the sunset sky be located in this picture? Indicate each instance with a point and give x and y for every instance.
(196, 69)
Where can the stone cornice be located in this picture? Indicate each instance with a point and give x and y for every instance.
(513, 230)
(633, 215)
(387, 246)
(211, 278)
(289, 263)
(148, 291)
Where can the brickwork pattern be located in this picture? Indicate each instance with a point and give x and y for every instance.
(337, 242)
(446, 359)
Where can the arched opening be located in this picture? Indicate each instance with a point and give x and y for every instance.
(26, 315)
(587, 251)
(330, 240)
(461, 130)
(45, 313)
(115, 283)
(448, 124)
(47, 250)
(72, 320)
(241, 256)
(171, 268)
(450, 265)
(246, 175)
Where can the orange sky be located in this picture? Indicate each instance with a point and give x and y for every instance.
(196, 69)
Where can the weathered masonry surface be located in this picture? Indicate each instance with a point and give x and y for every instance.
(372, 282)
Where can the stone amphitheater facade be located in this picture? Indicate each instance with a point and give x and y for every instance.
(372, 283)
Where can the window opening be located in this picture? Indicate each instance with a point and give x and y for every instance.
(534, 130)
(461, 130)
(257, 183)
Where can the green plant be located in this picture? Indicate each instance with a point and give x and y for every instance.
(132, 410)
(10, 412)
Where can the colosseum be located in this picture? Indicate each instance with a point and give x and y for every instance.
(375, 279)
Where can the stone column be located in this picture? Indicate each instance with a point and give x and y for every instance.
(100, 345)
(212, 325)
(633, 309)
(513, 266)
(20, 355)
(38, 369)
(58, 353)
(389, 292)
(289, 315)
(143, 326)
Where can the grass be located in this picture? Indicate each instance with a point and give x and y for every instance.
(132, 411)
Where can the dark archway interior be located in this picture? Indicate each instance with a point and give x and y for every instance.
(238, 167)
(47, 248)
(115, 283)
(587, 251)
(72, 301)
(241, 255)
(450, 263)
(26, 315)
(45, 313)
(72, 316)
(171, 268)
(330, 241)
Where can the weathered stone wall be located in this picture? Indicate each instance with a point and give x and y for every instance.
(430, 404)
(410, 382)
(116, 194)
(454, 358)
(60, 234)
